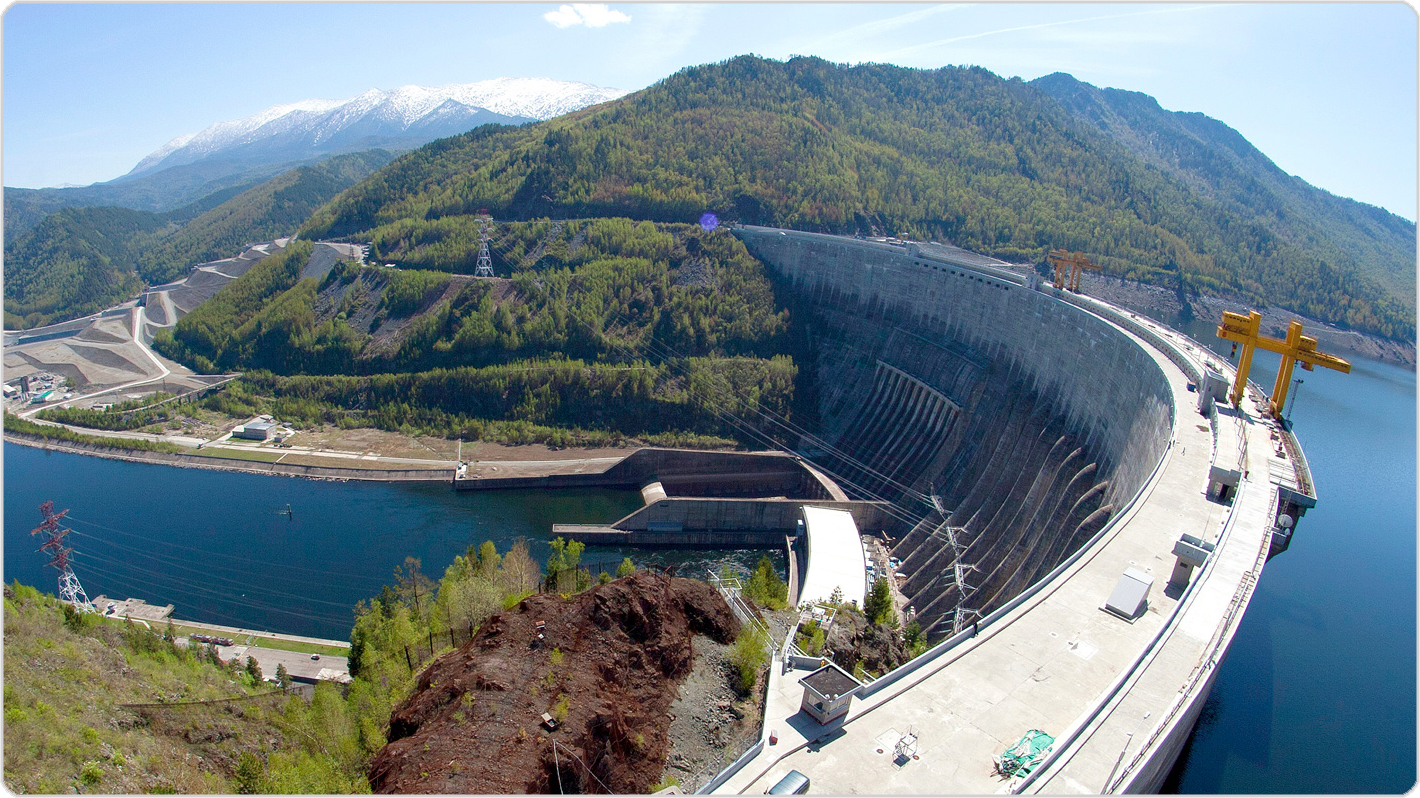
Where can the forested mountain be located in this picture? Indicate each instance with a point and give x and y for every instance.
(80, 260)
(76, 262)
(275, 208)
(1218, 162)
(959, 154)
(160, 192)
(565, 343)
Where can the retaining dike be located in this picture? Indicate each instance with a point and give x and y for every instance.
(686, 472)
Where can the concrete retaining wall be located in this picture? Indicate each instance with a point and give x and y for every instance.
(685, 472)
(713, 523)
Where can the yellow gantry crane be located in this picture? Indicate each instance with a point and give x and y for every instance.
(1076, 262)
(1245, 330)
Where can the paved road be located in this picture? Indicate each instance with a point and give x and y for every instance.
(136, 321)
(232, 630)
(300, 666)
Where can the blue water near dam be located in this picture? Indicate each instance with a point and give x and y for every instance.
(1318, 693)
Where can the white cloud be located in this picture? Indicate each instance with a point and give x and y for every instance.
(876, 27)
(593, 15)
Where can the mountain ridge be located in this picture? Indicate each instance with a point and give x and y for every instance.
(998, 166)
(192, 166)
(321, 124)
(81, 259)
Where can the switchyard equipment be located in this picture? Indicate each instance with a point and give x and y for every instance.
(1295, 347)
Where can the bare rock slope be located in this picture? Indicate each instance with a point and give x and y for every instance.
(608, 663)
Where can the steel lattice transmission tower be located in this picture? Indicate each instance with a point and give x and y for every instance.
(485, 260)
(69, 588)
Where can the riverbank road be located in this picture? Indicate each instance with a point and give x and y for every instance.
(234, 632)
(308, 668)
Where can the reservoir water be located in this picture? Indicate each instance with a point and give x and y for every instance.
(1318, 693)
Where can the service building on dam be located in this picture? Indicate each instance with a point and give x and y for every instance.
(1098, 515)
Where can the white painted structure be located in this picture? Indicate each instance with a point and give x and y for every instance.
(835, 556)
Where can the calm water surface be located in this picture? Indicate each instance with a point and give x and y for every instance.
(220, 547)
(1318, 693)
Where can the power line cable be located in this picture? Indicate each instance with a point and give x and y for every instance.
(128, 578)
(890, 508)
(207, 553)
(669, 354)
(243, 580)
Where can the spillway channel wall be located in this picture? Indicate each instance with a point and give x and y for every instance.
(1109, 389)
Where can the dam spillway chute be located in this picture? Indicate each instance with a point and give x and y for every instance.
(974, 403)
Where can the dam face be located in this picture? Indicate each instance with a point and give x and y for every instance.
(1005, 425)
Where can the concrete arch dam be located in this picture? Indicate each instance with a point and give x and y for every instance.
(1006, 426)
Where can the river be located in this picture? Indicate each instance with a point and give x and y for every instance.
(1317, 695)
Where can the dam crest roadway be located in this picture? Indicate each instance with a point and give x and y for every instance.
(1119, 422)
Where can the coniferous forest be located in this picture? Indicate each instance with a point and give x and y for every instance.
(957, 154)
(611, 307)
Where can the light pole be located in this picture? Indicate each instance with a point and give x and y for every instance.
(1297, 383)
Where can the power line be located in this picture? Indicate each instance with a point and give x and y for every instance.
(668, 354)
(242, 580)
(130, 579)
(889, 507)
(584, 767)
(206, 553)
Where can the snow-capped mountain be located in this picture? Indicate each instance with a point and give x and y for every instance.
(403, 118)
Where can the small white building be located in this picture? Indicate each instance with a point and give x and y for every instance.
(255, 431)
(827, 693)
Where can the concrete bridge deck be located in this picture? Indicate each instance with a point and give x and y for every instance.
(1120, 698)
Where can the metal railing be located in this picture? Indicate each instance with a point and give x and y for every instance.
(733, 592)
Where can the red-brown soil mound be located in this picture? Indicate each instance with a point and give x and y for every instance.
(608, 663)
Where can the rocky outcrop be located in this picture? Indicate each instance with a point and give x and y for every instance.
(606, 664)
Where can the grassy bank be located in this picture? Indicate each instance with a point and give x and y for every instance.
(20, 426)
(71, 681)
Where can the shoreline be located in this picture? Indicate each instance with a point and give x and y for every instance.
(523, 469)
(323, 473)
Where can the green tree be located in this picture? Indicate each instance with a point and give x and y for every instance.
(283, 677)
(765, 587)
(748, 655)
(877, 607)
(626, 568)
(562, 565)
(488, 559)
(254, 670)
(250, 774)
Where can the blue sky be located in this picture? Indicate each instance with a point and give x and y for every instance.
(1328, 91)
